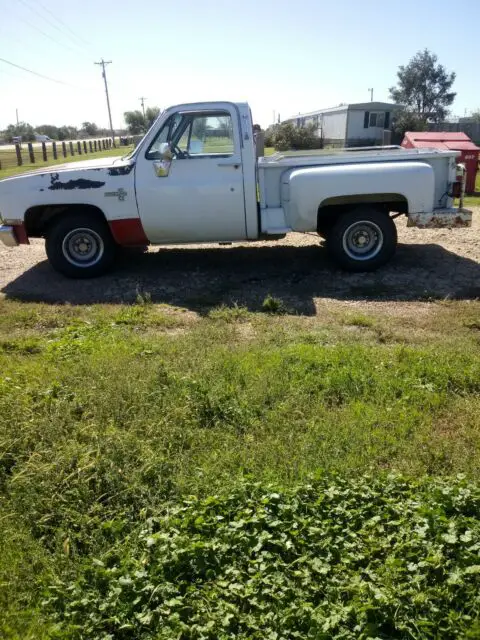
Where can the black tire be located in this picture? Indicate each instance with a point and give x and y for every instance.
(324, 228)
(80, 245)
(363, 239)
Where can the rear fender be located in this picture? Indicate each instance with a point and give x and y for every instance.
(306, 190)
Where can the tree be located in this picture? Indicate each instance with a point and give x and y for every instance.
(286, 136)
(67, 133)
(404, 121)
(135, 122)
(89, 129)
(23, 129)
(476, 115)
(151, 114)
(49, 130)
(424, 87)
(270, 133)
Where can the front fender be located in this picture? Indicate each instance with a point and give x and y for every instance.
(304, 190)
(111, 189)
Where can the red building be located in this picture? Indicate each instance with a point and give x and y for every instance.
(451, 140)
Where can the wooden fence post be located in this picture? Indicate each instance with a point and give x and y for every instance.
(54, 150)
(44, 151)
(64, 148)
(72, 153)
(84, 146)
(104, 144)
(95, 145)
(18, 151)
(30, 153)
(79, 147)
(90, 145)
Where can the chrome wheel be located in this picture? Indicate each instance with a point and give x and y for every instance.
(362, 240)
(83, 247)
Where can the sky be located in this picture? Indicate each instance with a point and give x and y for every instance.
(282, 56)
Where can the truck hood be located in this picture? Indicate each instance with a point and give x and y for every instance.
(113, 166)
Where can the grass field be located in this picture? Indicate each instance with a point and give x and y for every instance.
(474, 201)
(165, 475)
(10, 170)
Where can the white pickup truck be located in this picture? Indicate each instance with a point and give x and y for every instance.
(195, 178)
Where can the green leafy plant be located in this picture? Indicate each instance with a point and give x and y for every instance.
(374, 557)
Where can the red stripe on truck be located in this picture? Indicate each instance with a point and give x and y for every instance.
(128, 232)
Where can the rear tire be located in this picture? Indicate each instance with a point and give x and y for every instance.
(362, 240)
(80, 246)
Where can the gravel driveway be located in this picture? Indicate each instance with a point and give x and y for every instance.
(428, 264)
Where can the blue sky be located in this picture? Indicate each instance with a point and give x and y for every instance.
(287, 56)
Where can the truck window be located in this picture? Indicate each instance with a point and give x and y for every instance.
(196, 135)
(207, 135)
(164, 135)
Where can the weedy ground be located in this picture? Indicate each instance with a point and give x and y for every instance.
(238, 474)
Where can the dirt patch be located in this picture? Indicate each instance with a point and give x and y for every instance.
(429, 265)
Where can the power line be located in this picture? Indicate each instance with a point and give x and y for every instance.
(52, 24)
(60, 21)
(62, 44)
(35, 73)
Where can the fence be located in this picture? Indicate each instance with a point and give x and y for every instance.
(34, 153)
(472, 128)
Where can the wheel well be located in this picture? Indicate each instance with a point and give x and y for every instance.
(331, 208)
(38, 219)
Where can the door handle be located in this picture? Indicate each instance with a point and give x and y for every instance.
(235, 165)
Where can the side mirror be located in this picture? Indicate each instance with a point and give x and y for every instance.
(162, 167)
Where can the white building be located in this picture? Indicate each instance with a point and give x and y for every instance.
(350, 125)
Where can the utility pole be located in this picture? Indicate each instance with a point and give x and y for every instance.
(371, 95)
(142, 102)
(16, 111)
(102, 64)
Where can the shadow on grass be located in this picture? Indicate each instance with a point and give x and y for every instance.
(199, 279)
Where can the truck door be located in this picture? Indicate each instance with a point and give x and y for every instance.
(198, 194)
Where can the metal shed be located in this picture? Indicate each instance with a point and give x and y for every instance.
(451, 140)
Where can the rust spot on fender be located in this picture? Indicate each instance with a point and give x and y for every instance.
(121, 171)
(79, 183)
(449, 219)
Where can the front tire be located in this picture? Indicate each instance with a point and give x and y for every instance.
(80, 246)
(362, 240)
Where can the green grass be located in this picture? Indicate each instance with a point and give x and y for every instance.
(27, 166)
(474, 201)
(118, 425)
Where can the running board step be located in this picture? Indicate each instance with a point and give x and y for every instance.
(273, 221)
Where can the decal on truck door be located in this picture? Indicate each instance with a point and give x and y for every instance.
(121, 194)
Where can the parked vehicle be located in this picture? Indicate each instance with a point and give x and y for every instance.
(42, 138)
(195, 178)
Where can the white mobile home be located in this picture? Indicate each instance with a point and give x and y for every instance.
(350, 125)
